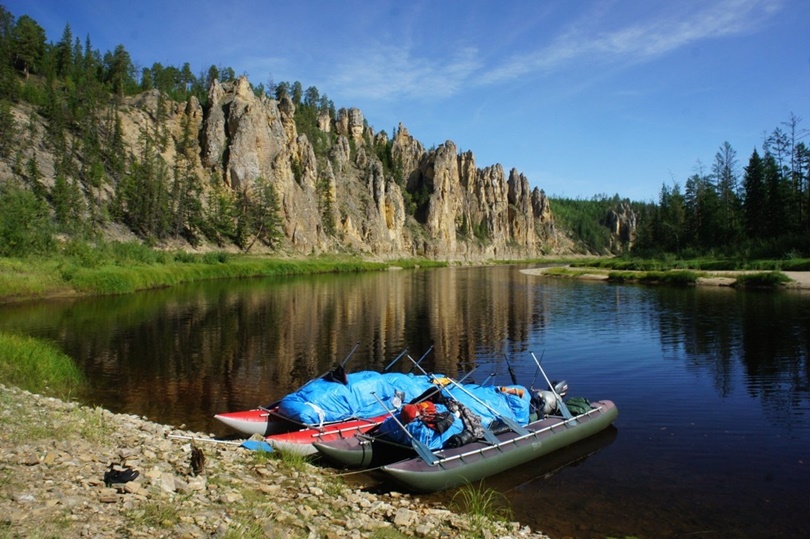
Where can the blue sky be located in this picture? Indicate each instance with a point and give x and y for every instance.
(583, 97)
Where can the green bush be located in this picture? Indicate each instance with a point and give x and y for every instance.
(25, 225)
(216, 257)
(771, 279)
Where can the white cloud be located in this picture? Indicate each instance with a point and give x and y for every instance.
(636, 42)
(390, 72)
(386, 72)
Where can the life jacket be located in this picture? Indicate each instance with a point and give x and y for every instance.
(419, 410)
(425, 412)
(511, 390)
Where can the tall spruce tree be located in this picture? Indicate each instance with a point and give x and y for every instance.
(754, 196)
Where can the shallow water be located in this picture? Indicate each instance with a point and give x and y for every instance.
(713, 434)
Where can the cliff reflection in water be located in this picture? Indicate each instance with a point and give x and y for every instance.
(186, 353)
(711, 384)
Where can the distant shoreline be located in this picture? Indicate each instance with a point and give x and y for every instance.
(799, 279)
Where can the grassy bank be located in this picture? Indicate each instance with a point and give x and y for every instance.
(38, 366)
(673, 277)
(694, 264)
(121, 268)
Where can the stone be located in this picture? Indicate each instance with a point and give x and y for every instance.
(313, 504)
(405, 517)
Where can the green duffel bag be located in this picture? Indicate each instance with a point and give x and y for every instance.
(578, 405)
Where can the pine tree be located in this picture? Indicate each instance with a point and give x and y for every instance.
(8, 130)
(68, 203)
(64, 53)
(29, 45)
(754, 196)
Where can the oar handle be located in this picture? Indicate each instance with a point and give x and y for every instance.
(563, 407)
(423, 450)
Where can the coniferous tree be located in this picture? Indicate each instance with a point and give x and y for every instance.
(64, 54)
(297, 93)
(220, 213)
(8, 130)
(25, 225)
(672, 219)
(754, 198)
(268, 209)
(9, 87)
(29, 45)
(118, 70)
(68, 204)
(776, 198)
(723, 169)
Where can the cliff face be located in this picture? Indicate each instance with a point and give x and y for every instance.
(461, 211)
(623, 224)
(435, 203)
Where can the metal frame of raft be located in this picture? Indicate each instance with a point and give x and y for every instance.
(453, 468)
(503, 443)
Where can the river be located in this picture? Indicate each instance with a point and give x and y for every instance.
(712, 384)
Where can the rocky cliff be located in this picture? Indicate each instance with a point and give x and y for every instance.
(351, 190)
(457, 211)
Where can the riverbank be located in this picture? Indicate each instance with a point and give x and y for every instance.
(53, 456)
(125, 268)
(799, 280)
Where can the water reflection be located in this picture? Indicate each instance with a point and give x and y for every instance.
(240, 343)
(712, 384)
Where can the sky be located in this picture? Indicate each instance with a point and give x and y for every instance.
(583, 97)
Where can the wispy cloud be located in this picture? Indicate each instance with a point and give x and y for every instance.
(391, 72)
(638, 42)
(400, 71)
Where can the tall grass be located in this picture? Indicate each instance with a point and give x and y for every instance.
(121, 268)
(483, 505)
(670, 262)
(38, 366)
(770, 279)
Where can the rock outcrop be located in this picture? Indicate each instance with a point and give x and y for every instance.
(346, 190)
(433, 203)
(622, 222)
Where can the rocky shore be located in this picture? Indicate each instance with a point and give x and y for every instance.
(54, 455)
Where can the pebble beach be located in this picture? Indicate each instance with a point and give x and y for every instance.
(54, 455)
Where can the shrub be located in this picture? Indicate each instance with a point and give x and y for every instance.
(770, 279)
(25, 225)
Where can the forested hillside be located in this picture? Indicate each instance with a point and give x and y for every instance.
(92, 146)
(88, 144)
(758, 208)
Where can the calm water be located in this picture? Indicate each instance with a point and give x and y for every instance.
(712, 385)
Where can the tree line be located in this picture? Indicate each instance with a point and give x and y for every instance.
(76, 91)
(760, 211)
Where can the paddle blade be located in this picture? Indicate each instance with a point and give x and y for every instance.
(257, 445)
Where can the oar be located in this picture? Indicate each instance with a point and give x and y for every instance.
(253, 445)
(488, 434)
(435, 381)
(563, 407)
(537, 370)
(342, 364)
(395, 360)
(511, 372)
(421, 358)
(421, 449)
